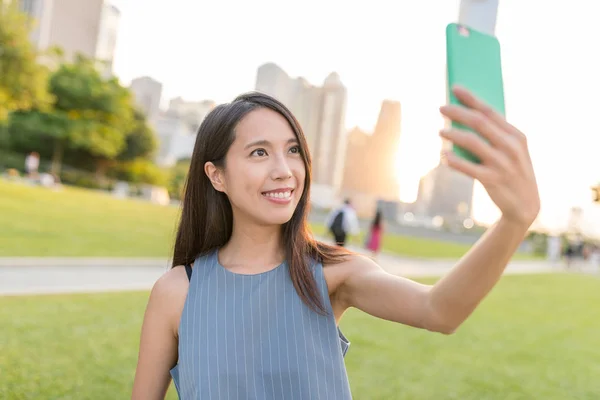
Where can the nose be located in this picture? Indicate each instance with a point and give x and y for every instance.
(281, 168)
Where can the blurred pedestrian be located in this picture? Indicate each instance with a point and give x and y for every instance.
(374, 236)
(32, 164)
(342, 222)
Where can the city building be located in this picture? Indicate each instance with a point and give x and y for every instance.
(445, 192)
(330, 140)
(176, 140)
(40, 12)
(87, 27)
(192, 112)
(177, 129)
(369, 174)
(356, 180)
(107, 38)
(383, 151)
(147, 93)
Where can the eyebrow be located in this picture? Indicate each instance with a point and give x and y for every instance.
(264, 142)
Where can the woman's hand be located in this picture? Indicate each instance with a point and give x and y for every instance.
(506, 171)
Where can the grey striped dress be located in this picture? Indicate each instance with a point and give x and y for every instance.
(252, 337)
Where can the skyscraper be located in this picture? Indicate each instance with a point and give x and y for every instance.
(40, 12)
(192, 112)
(383, 153)
(330, 143)
(88, 27)
(147, 93)
(369, 171)
(444, 191)
(274, 81)
(107, 37)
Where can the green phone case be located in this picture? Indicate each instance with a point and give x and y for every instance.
(473, 61)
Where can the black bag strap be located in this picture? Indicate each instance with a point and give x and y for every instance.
(188, 271)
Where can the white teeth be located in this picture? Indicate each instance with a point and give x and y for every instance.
(279, 195)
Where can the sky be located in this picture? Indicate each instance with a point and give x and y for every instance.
(392, 50)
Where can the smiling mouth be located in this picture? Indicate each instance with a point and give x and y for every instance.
(279, 195)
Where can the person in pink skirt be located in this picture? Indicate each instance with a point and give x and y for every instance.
(373, 242)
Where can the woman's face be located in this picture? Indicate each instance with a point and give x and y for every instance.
(264, 171)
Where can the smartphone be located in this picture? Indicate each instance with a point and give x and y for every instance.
(473, 61)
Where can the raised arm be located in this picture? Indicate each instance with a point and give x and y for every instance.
(158, 342)
(507, 174)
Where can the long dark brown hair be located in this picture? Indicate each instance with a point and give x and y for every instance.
(207, 219)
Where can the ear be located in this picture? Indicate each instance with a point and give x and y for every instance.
(215, 175)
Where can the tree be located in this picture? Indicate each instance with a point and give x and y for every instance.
(178, 175)
(40, 130)
(22, 79)
(140, 171)
(141, 142)
(135, 160)
(89, 114)
(100, 111)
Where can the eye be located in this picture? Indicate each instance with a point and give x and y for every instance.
(295, 150)
(259, 153)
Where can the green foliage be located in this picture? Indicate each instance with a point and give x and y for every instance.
(22, 78)
(84, 179)
(99, 111)
(73, 113)
(141, 142)
(177, 178)
(11, 160)
(27, 127)
(90, 115)
(140, 171)
(4, 137)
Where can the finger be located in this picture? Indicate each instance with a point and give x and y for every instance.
(473, 143)
(480, 172)
(486, 128)
(467, 98)
(476, 121)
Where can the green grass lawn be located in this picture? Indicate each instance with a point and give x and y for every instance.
(77, 222)
(534, 337)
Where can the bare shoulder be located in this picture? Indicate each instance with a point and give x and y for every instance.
(168, 295)
(339, 275)
(159, 336)
(172, 284)
(354, 265)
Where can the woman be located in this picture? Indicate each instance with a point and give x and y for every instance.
(375, 234)
(251, 307)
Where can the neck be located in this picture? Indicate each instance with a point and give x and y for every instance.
(253, 246)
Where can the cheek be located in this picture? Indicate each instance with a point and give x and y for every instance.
(299, 172)
(244, 180)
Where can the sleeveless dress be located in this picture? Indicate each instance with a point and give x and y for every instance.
(374, 239)
(252, 337)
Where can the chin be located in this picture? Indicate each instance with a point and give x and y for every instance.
(278, 218)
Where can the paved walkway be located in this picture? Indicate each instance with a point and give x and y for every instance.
(76, 275)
